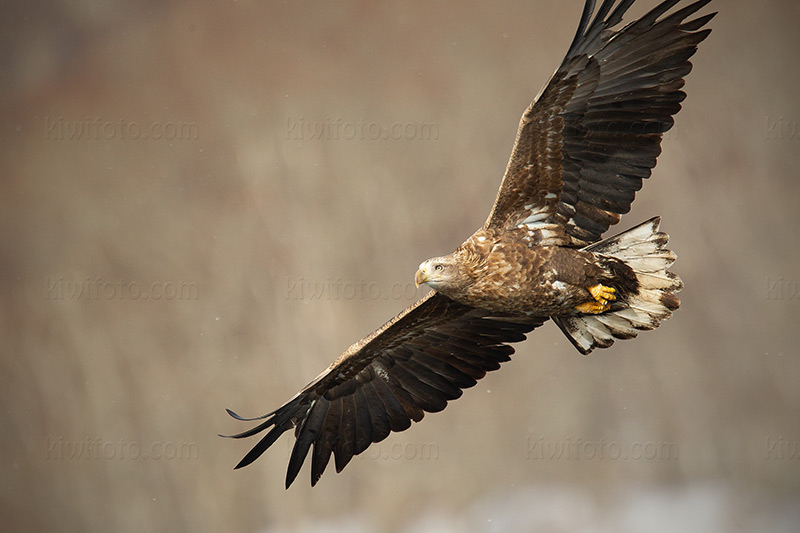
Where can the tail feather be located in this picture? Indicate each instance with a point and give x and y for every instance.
(643, 249)
(662, 281)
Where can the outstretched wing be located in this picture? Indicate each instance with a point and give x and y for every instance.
(415, 363)
(594, 132)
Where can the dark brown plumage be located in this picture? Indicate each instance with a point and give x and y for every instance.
(582, 150)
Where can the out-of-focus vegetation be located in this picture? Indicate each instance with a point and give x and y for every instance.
(204, 203)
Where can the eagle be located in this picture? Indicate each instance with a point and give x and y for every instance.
(581, 152)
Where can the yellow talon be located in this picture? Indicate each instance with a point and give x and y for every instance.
(601, 293)
(602, 296)
(593, 308)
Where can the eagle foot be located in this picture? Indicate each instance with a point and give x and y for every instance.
(593, 308)
(602, 293)
(602, 296)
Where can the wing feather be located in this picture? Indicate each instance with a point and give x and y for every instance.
(414, 364)
(307, 433)
(379, 415)
(586, 143)
(323, 446)
(345, 445)
(399, 418)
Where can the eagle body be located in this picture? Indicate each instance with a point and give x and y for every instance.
(582, 151)
(507, 272)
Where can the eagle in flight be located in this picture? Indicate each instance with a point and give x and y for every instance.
(582, 150)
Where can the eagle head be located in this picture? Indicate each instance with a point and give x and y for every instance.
(439, 272)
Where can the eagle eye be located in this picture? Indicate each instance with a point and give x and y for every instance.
(438, 268)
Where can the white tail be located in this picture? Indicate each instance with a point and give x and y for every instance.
(643, 248)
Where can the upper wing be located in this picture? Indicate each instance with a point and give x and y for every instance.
(594, 132)
(416, 362)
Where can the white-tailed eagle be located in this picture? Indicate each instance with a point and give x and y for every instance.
(582, 150)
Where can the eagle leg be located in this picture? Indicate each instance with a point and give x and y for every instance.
(602, 295)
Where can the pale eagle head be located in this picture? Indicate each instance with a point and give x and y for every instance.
(440, 273)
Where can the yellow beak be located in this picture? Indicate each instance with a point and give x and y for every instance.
(420, 278)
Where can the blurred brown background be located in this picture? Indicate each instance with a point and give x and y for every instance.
(204, 203)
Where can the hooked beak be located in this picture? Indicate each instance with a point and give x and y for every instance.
(420, 278)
